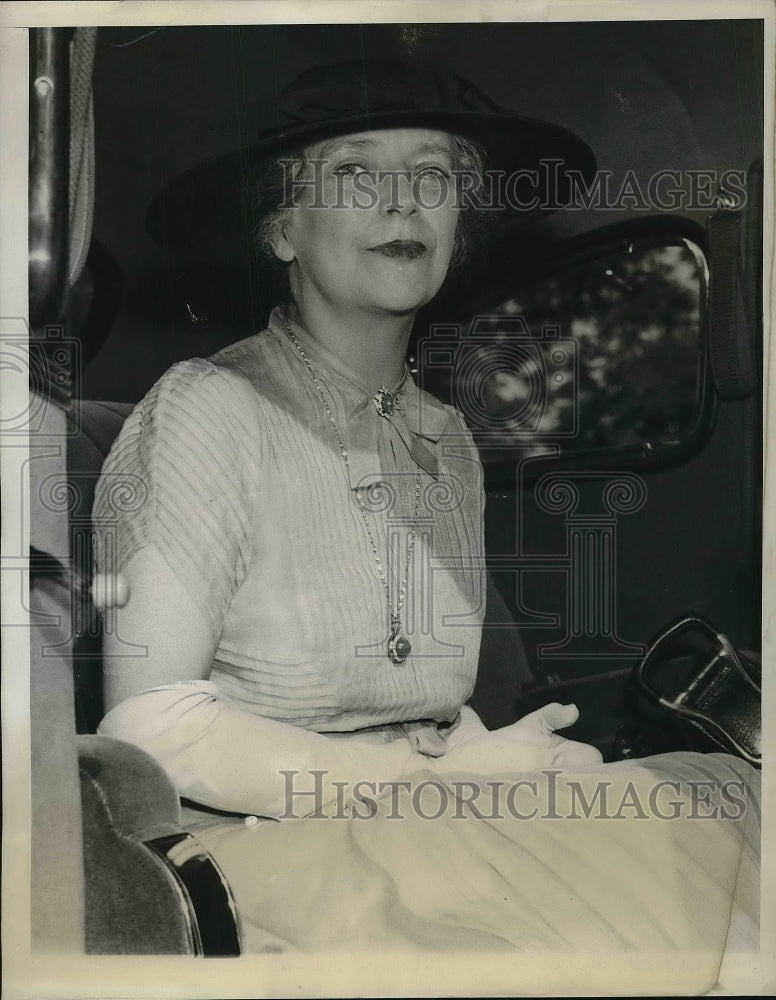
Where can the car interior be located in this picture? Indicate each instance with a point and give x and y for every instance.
(607, 356)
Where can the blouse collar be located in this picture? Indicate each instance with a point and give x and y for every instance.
(420, 421)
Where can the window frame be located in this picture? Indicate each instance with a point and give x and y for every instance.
(578, 250)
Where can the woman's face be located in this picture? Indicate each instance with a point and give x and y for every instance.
(374, 222)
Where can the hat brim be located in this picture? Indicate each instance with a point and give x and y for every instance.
(215, 206)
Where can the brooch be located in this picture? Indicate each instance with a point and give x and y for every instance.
(385, 402)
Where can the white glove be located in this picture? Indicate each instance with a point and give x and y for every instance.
(529, 744)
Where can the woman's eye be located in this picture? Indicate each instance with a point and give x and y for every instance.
(350, 169)
(433, 170)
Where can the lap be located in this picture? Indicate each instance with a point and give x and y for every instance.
(654, 856)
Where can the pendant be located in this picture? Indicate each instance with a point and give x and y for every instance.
(385, 402)
(399, 647)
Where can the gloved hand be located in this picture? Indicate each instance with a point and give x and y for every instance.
(529, 744)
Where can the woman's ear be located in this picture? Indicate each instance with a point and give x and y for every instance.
(281, 244)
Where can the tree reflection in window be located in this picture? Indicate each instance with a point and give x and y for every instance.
(631, 318)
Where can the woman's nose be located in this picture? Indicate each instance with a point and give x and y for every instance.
(397, 192)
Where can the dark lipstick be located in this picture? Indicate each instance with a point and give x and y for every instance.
(401, 249)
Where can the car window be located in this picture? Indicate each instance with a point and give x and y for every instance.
(602, 354)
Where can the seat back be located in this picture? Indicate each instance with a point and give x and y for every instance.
(57, 882)
(92, 428)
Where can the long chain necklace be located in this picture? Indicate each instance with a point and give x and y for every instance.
(399, 646)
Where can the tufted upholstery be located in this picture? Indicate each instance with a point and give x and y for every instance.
(133, 903)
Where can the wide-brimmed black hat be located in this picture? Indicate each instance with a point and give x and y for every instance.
(214, 202)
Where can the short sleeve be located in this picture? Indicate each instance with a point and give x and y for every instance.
(179, 476)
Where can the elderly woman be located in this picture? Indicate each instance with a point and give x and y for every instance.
(306, 577)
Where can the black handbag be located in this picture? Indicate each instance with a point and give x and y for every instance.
(700, 680)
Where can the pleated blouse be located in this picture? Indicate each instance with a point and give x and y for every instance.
(232, 468)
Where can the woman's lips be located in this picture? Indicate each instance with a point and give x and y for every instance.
(400, 249)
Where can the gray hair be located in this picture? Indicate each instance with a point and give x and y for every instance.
(277, 184)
